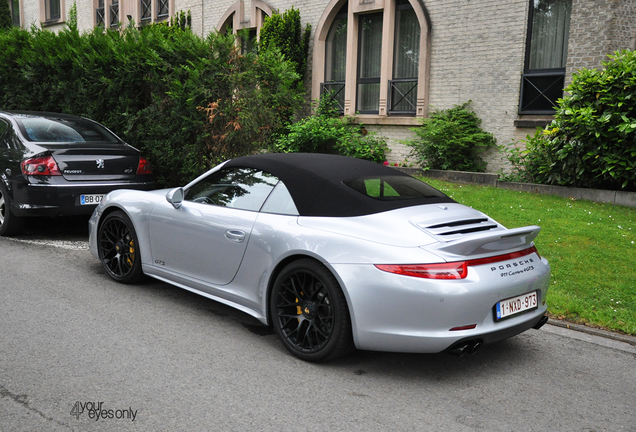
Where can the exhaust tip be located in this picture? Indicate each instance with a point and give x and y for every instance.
(542, 321)
(465, 348)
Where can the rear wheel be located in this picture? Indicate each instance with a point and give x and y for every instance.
(310, 313)
(9, 223)
(118, 248)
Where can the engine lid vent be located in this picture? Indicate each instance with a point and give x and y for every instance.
(460, 227)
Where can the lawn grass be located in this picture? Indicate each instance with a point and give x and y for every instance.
(591, 248)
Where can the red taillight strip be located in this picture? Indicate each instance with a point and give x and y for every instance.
(451, 270)
(504, 257)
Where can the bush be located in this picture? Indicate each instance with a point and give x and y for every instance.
(451, 140)
(327, 133)
(184, 101)
(592, 141)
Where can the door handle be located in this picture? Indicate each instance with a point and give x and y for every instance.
(236, 236)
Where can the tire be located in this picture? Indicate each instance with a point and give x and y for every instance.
(309, 312)
(9, 223)
(118, 248)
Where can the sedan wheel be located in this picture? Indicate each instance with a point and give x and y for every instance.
(309, 312)
(119, 249)
(9, 223)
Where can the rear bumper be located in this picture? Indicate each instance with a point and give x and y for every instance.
(406, 314)
(63, 199)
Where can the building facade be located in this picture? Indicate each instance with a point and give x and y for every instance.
(390, 62)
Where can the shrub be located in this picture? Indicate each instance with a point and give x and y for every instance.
(592, 140)
(451, 140)
(327, 133)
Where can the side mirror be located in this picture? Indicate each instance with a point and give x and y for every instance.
(175, 197)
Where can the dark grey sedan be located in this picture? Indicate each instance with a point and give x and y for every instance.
(56, 164)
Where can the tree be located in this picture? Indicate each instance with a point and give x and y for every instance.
(285, 33)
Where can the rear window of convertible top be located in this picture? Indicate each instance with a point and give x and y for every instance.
(391, 188)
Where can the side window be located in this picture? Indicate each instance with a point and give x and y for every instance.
(280, 201)
(240, 188)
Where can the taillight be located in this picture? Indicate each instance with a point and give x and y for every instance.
(40, 166)
(451, 270)
(144, 166)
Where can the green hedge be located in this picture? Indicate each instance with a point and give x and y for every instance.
(186, 102)
(592, 141)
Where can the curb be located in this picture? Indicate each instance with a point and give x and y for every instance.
(623, 198)
(620, 337)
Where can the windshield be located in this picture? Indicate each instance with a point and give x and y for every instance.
(41, 129)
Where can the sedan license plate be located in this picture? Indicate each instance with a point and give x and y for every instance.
(516, 305)
(92, 199)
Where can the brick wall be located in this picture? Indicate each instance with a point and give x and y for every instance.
(478, 50)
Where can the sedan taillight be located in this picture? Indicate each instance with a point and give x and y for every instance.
(144, 166)
(451, 270)
(40, 166)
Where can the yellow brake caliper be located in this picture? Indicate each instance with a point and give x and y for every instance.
(131, 249)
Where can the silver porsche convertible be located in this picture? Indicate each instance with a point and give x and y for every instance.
(335, 253)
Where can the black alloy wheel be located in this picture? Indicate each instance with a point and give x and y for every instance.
(119, 248)
(310, 313)
(9, 223)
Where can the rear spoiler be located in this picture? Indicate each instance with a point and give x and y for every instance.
(487, 243)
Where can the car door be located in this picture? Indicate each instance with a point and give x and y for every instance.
(206, 237)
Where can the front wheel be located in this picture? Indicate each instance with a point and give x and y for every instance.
(9, 223)
(309, 312)
(118, 248)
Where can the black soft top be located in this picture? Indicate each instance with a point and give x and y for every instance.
(315, 182)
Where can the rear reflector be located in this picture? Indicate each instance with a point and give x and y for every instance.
(451, 270)
(144, 166)
(466, 327)
(40, 166)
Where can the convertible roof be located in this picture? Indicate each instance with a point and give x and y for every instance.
(315, 182)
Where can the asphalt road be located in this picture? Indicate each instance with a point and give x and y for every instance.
(153, 357)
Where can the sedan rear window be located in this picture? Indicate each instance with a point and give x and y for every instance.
(391, 188)
(41, 129)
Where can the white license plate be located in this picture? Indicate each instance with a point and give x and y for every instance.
(516, 305)
(90, 199)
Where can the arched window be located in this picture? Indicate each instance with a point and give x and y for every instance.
(406, 60)
(336, 59)
(234, 18)
(376, 57)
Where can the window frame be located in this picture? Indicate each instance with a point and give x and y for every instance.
(361, 52)
(531, 78)
(388, 7)
(16, 17)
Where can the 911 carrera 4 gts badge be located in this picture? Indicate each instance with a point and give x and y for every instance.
(100, 163)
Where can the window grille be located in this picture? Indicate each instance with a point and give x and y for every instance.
(334, 91)
(114, 14)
